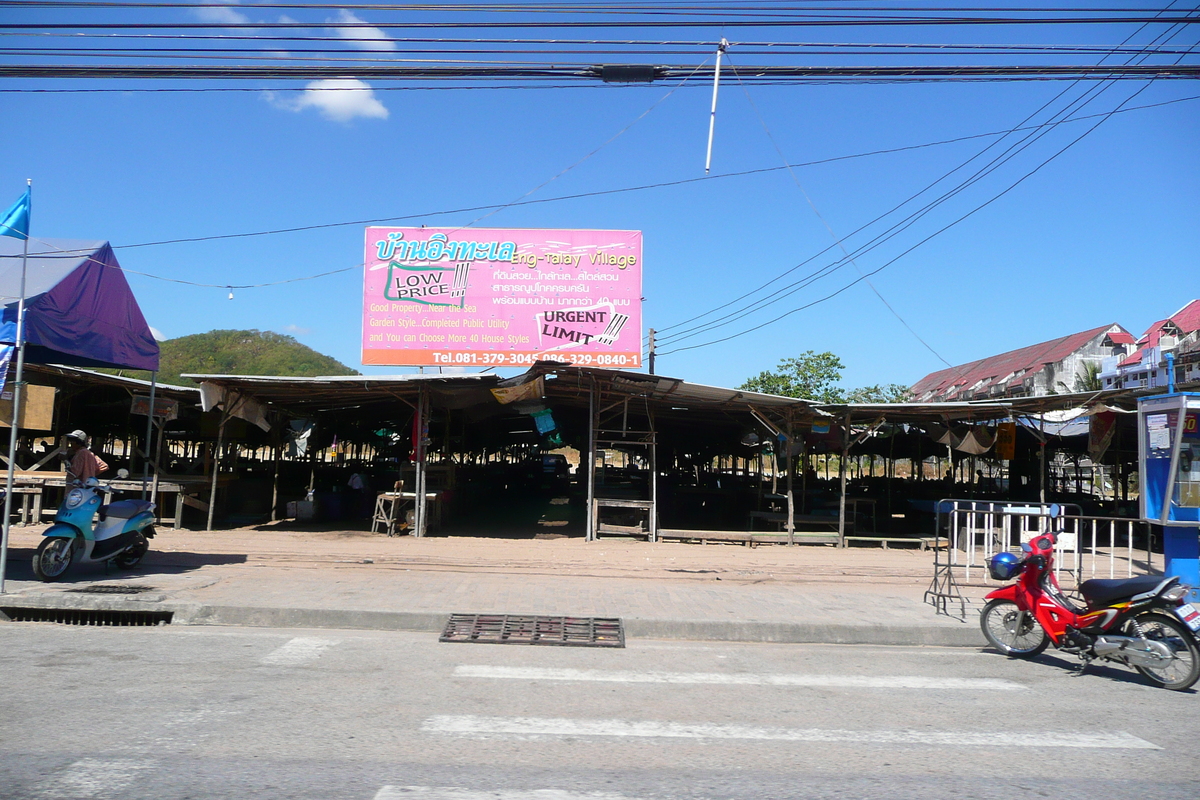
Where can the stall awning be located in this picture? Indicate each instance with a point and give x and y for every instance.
(80, 310)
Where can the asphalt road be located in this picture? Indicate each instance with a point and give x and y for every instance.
(200, 713)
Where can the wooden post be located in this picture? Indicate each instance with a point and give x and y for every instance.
(216, 468)
(277, 450)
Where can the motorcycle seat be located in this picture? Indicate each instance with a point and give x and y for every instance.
(1105, 591)
(127, 509)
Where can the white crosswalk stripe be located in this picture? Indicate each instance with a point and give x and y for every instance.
(449, 793)
(466, 725)
(92, 778)
(735, 679)
(297, 651)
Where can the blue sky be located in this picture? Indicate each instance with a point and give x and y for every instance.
(1109, 231)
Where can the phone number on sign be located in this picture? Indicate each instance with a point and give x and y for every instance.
(526, 359)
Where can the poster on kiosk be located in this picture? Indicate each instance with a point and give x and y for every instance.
(1169, 451)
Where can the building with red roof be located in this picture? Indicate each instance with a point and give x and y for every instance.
(1058, 366)
(1146, 367)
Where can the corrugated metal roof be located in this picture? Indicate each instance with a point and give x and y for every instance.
(1005, 370)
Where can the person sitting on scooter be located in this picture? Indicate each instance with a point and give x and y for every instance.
(84, 463)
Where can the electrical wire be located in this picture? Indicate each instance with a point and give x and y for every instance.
(904, 224)
(1102, 119)
(839, 241)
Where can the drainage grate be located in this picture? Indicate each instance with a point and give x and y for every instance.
(529, 629)
(84, 616)
(112, 588)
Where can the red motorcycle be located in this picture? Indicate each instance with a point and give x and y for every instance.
(1142, 622)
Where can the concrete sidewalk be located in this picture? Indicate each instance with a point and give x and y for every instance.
(352, 579)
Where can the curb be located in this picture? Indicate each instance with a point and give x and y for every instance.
(432, 622)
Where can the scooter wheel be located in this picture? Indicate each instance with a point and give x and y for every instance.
(134, 555)
(53, 558)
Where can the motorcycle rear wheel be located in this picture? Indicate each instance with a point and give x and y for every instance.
(999, 624)
(1182, 671)
(53, 558)
(134, 555)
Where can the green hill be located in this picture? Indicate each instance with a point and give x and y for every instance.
(239, 353)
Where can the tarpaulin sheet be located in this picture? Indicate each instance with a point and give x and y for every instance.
(79, 309)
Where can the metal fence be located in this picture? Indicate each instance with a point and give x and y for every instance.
(969, 532)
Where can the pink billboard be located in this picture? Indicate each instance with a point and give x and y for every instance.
(466, 297)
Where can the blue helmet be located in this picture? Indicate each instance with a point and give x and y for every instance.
(1005, 566)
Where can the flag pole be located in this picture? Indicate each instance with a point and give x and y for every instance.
(16, 408)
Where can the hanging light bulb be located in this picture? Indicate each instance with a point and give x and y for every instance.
(230, 292)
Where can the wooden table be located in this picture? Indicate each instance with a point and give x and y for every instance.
(389, 504)
(31, 486)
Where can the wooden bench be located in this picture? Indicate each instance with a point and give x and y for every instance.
(747, 538)
(923, 543)
(29, 494)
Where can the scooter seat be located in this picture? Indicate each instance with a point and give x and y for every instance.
(127, 509)
(1104, 591)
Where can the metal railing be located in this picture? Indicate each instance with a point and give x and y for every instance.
(970, 531)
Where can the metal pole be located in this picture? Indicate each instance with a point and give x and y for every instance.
(842, 477)
(591, 466)
(712, 118)
(651, 351)
(1042, 468)
(149, 432)
(16, 416)
(790, 460)
(419, 448)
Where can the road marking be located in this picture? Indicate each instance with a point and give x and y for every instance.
(297, 651)
(534, 726)
(451, 793)
(734, 679)
(93, 778)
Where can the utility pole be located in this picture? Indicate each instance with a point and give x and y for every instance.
(651, 351)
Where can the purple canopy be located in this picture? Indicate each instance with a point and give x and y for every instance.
(79, 310)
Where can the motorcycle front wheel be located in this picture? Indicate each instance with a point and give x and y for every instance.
(134, 555)
(53, 558)
(1184, 669)
(999, 624)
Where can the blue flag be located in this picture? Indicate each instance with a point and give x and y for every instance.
(15, 222)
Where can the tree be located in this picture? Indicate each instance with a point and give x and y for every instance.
(880, 393)
(810, 376)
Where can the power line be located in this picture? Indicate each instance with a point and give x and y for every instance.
(879, 239)
(1006, 156)
(622, 190)
(838, 241)
(789, 74)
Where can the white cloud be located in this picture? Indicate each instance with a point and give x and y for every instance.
(296, 330)
(221, 15)
(374, 38)
(157, 334)
(337, 99)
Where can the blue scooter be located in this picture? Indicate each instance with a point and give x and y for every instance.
(119, 535)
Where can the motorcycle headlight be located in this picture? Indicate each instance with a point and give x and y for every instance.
(74, 498)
